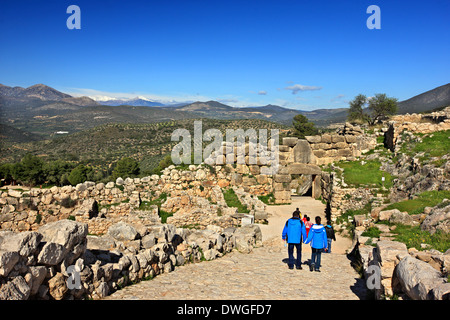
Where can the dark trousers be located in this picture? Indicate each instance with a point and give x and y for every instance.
(292, 261)
(316, 256)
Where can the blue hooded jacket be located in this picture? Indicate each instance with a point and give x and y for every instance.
(317, 236)
(294, 230)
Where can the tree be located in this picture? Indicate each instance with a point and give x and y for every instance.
(302, 127)
(79, 174)
(381, 106)
(55, 170)
(126, 167)
(6, 171)
(356, 108)
(29, 170)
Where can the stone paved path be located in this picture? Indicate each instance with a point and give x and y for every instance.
(260, 275)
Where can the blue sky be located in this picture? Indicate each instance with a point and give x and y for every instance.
(298, 54)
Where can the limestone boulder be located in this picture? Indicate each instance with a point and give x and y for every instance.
(51, 254)
(68, 233)
(122, 231)
(8, 260)
(25, 243)
(16, 289)
(437, 219)
(417, 278)
(247, 237)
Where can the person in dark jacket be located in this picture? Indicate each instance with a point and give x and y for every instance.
(330, 235)
(294, 233)
(318, 238)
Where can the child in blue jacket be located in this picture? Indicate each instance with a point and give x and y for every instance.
(318, 238)
(293, 233)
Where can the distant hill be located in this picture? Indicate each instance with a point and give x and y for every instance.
(436, 98)
(44, 93)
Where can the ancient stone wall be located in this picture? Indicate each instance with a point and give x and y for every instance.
(61, 261)
(416, 123)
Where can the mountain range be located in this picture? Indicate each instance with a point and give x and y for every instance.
(41, 111)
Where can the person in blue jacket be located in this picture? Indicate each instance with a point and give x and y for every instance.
(294, 233)
(318, 238)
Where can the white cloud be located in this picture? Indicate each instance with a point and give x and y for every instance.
(262, 93)
(299, 87)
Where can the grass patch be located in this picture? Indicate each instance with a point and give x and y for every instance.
(232, 200)
(372, 232)
(436, 144)
(164, 215)
(369, 174)
(413, 237)
(424, 199)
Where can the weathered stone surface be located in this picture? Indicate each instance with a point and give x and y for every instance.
(51, 254)
(247, 237)
(437, 219)
(57, 286)
(38, 275)
(401, 217)
(386, 214)
(282, 178)
(290, 141)
(8, 260)
(65, 232)
(302, 152)
(387, 251)
(25, 243)
(314, 139)
(122, 231)
(417, 278)
(301, 168)
(16, 289)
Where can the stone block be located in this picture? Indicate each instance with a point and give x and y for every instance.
(337, 138)
(302, 152)
(314, 139)
(290, 141)
(282, 178)
(326, 138)
(302, 168)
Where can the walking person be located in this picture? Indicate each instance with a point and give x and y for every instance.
(330, 235)
(299, 213)
(308, 225)
(294, 233)
(318, 238)
(304, 218)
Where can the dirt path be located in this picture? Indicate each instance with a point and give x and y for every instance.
(278, 215)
